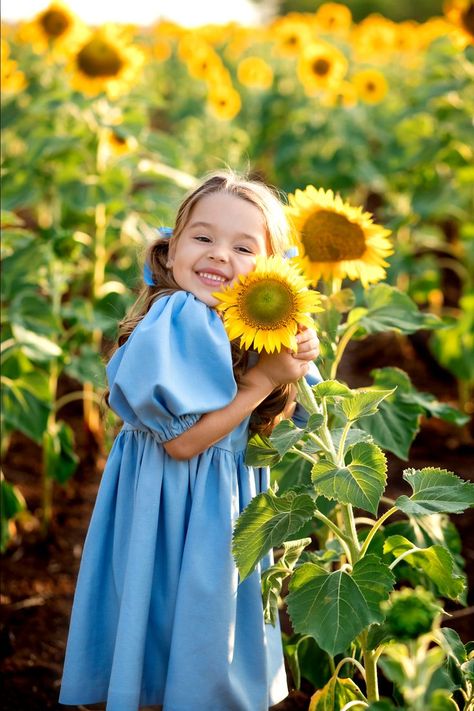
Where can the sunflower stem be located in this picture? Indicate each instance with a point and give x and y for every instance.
(340, 348)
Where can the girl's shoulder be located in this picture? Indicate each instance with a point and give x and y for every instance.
(184, 316)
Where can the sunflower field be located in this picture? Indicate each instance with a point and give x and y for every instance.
(367, 128)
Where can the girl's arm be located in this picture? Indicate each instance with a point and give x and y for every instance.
(270, 372)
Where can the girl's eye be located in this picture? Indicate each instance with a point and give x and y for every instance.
(202, 238)
(244, 250)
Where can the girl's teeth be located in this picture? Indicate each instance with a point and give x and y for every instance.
(214, 277)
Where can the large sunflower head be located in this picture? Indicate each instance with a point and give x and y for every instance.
(106, 62)
(336, 240)
(224, 101)
(265, 307)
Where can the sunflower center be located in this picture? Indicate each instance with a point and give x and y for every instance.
(267, 304)
(468, 19)
(370, 86)
(98, 58)
(54, 23)
(321, 67)
(329, 237)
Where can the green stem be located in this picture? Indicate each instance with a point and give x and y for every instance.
(76, 395)
(47, 482)
(371, 680)
(340, 451)
(374, 530)
(345, 542)
(340, 348)
(403, 555)
(300, 453)
(351, 532)
(352, 661)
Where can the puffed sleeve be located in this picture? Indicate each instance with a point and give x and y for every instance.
(312, 377)
(175, 366)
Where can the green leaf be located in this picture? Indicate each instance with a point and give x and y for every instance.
(35, 346)
(435, 491)
(260, 452)
(353, 437)
(61, 459)
(335, 694)
(314, 422)
(363, 402)
(331, 389)
(291, 472)
(389, 309)
(435, 561)
(335, 607)
(397, 422)
(266, 522)
(273, 577)
(285, 435)
(375, 581)
(25, 404)
(307, 660)
(360, 483)
(442, 700)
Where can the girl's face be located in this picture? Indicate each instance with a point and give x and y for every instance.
(222, 238)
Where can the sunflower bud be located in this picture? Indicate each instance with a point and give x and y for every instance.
(411, 613)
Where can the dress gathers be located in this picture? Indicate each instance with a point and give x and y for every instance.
(159, 616)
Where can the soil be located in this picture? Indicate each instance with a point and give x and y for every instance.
(39, 574)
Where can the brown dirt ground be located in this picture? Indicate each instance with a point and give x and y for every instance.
(39, 575)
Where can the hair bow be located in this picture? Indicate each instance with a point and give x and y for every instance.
(164, 233)
(291, 252)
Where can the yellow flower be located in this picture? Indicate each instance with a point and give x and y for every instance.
(104, 63)
(336, 240)
(55, 29)
(255, 72)
(161, 49)
(265, 307)
(224, 101)
(321, 65)
(291, 35)
(461, 14)
(12, 79)
(333, 17)
(374, 39)
(371, 85)
(203, 63)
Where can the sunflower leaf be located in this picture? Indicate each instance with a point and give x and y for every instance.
(285, 435)
(435, 561)
(435, 491)
(331, 389)
(260, 452)
(389, 309)
(360, 483)
(363, 402)
(267, 522)
(335, 607)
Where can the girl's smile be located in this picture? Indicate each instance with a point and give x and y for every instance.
(221, 240)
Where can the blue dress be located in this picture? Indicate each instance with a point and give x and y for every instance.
(158, 614)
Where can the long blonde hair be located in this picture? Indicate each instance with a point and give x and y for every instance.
(269, 202)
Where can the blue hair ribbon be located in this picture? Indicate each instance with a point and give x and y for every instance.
(291, 252)
(164, 233)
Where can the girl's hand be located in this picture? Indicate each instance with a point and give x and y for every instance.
(308, 345)
(280, 368)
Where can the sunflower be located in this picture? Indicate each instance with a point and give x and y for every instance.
(461, 14)
(335, 239)
(290, 35)
(374, 39)
(105, 62)
(55, 29)
(321, 65)
(12, 79)
(371, 85)
(255, 72)
(333, 17)
(203, 63)
(343, 94)
(224, 101)
(265, 307)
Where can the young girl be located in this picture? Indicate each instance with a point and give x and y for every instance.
(159, 616)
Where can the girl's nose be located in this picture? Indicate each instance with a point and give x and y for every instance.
(219, 254)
